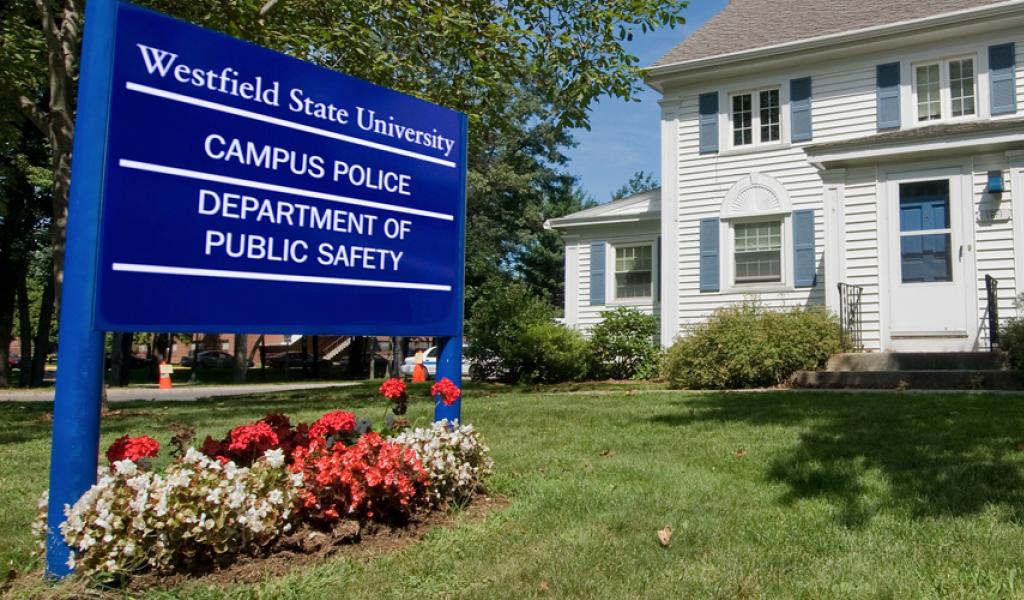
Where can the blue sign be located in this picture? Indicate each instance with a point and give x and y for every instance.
(220, 186)
(246, 190)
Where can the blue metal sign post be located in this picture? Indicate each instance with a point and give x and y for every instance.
(220, 186)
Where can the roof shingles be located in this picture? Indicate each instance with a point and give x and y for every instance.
(751, 24)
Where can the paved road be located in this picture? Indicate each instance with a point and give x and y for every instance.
(180, 393)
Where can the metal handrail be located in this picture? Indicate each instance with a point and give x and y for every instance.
(851, 335)
(992, 311)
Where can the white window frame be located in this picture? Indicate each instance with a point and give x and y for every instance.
(945, 90)
(611, 288)
(755, 117)
(728, 262)
(735, 226)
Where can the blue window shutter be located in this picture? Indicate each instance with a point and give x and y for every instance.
(708, 106)
(804, 258)
(709, 263)
(800, 109)
(597, 274)
(1002, 63)
(888, 95)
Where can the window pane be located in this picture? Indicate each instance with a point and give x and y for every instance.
(929, 102)
(742, 120)
(769, 115)
(925, 258)
(758, 252)
(961, 86)
(633, 271)
(924, 205)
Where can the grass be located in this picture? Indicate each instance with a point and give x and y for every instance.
(775, 495)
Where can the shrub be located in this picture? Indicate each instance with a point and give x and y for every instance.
(623, 346)
(1011, 337)
(454, 457)
(514, 338)
(751, 346)
(197, 512)
(550, 353)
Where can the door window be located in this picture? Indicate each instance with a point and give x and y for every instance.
(925, 234)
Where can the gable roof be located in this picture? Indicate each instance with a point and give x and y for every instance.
(752, 24)
(638, 207)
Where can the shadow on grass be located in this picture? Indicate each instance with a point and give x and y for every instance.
(29, 421)
(930, 456)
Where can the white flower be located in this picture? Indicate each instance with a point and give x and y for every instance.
(275, 457)
(125, 468)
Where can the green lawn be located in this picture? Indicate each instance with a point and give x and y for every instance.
(808, 495)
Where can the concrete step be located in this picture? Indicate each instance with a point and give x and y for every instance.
(917, 361)
(966, 379)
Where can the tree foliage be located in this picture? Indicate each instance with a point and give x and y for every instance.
(526, 73)
(641, 181)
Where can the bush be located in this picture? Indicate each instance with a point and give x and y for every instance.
(513, 337)
(623, 346)
(750, 346)
(1011, 338)
(549, 353)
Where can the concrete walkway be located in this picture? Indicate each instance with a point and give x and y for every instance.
(180, 393)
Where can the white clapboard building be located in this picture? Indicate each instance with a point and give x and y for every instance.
(862, 154)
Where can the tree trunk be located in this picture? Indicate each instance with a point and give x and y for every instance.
(118, 360)
(316, 357)
(47, 306)
(24, 333)
(241, 366)
(8, 294)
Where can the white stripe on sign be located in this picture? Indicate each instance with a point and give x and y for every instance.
(224, 274)
(273, 187)
(248, 114)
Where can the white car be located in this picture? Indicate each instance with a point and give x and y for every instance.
(430, 362)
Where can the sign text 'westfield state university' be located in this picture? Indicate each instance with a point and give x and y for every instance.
(246, 190)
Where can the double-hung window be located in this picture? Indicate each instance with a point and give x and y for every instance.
(945, 89)
(758, 252)
(634, 269)
(756, 117)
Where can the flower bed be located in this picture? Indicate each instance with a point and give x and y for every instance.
(242, 494)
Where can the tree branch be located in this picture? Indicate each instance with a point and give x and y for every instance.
(52, 35)
(71, 36)
(33, 113)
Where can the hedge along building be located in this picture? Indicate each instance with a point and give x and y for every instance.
(815, 143)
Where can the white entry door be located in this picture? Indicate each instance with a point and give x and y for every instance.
(930, 263)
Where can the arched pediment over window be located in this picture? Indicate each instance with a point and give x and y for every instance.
(756, 195)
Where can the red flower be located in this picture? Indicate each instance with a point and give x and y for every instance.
(333, 422)
(448, 391)
(373, 478)
(393, 389)
(253, 439)
(132, 448)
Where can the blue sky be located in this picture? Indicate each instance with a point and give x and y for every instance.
(624, 137)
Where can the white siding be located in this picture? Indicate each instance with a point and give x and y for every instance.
(843, 107)
(861, 251)
(994, 241)
(586, 315)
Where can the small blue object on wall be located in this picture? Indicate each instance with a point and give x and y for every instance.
(995, 182)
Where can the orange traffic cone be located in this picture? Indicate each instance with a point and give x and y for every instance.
(419, 372)
(165, 375)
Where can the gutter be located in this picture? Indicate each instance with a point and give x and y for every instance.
(959, 17)
(555, 224)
